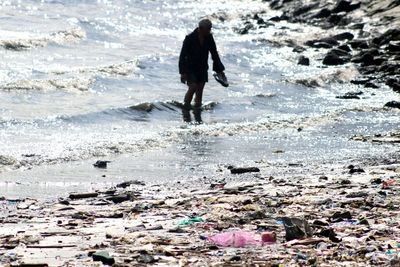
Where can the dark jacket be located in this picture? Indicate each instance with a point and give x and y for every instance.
(194, 57)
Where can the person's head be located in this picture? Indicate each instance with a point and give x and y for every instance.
(205, 26)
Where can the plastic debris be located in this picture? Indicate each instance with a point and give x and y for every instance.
(296, 228)
(237, 239)
(191, 221)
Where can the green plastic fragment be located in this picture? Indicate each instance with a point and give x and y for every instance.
(191, 221)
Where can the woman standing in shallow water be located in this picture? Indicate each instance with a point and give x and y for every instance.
(193, 62)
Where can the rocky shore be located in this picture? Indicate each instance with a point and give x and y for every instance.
(368, 38)
(318, 216)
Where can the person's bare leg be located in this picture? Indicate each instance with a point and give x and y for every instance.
(192, 88)
(199, 95)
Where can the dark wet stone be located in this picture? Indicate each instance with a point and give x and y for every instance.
(304, 9)
(345, 48)
(63, 201)
(351, 95)
(296, 228)
(367, 59)
(385, 38)
(245, 30)
(345, 182)
(299, 49)
(371, 85)
(304, 61)
(393, 104)
(359, 44)
(244, 170)
(336, 19)
(360, 81)
(345, 6)
(356, 170)
(82, 195)
(340, 216)
(104, 257)
(336, 57)
(323, 13)
(275, 19)
(101, 164)
(343, 36)
(235, 258)
(393, 48)
(119, 198)
(129, 183)
(322, 43)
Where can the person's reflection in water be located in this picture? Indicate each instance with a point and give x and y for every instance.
(187, 117)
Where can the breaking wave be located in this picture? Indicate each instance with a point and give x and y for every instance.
(72, 35)
(123, 142)
(69, 84)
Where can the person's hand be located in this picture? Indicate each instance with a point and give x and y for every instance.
(183, 78)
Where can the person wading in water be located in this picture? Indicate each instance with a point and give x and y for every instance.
(193, 62)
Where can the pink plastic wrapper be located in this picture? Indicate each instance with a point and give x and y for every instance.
(237, 239)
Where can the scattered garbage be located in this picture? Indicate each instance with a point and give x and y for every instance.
(296, 228)
(237, 239)
(104, 257)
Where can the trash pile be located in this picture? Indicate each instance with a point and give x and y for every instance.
(344, 218)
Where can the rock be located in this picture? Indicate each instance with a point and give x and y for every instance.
(385, 38)
(298, 49)
(322, 43)
(367, 59)
(360, 81)
(296, 228)
(104, 257)
(345, 182)
(119, 198)
(336, 19)
(371, 85)
(343, 36)
(359, 44)
(74, 196)
(304, 9)
(129, 183)
(393, 48)
(345, 6)
(348, 97)
(304, 61)
(244, 170)
(345, 48)
(336, 57)
(323, 13)
(245, 30)
(355, 170)
(102, 164)
(393, 104)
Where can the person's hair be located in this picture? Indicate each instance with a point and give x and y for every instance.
(205, 23)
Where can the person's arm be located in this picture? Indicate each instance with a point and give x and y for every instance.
(218, 67)
(183, 60)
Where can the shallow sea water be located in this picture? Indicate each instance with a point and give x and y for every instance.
(97, 80)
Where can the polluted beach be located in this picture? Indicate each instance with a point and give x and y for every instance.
(200, 133)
